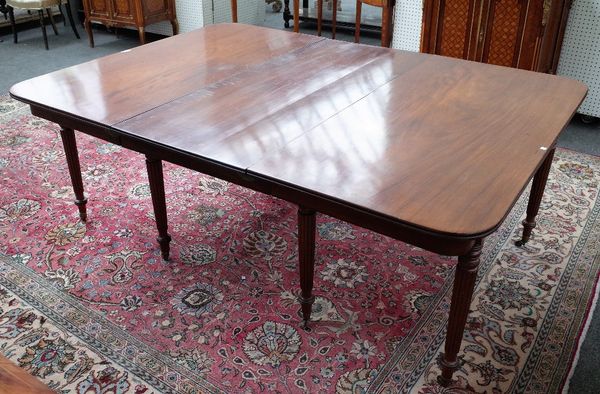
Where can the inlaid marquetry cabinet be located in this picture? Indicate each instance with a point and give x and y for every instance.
(525, 34)
(135, 13)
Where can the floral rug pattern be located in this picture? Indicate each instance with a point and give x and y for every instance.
(92, 306)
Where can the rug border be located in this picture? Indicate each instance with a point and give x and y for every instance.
(588, 230)
(57, 320)
(592, 306)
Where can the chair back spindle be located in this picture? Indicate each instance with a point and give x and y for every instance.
(234, 16)
(387, 7)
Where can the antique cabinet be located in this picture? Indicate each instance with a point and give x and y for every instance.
(516, 33)
(134, 13)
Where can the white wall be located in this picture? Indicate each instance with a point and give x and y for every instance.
(189, 16)
(249, 11)
(580, 54)
(407, 25)
(193, 14)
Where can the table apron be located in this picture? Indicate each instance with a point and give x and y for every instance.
(75, 123)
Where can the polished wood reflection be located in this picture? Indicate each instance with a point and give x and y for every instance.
(432, 148)
(383, 130)
(111, 89)
(429, 150)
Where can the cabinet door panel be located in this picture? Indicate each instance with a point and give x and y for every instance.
(515, 33)
(123, 10)
(454, 26)
(505, 22)
(99, 8)
(449, 27)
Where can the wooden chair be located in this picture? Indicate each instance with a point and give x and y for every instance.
(320, 17)
(296, 14)
(386, 19)
(40, 6)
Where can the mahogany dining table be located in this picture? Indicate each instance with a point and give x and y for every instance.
(429, 150)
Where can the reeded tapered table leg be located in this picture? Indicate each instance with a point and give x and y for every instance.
(464, 283)
(535, 197)
(68, 138)
(157, 189)
(306, 254)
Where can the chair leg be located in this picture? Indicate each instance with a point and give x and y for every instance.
(52, 21)
(234, 14)
(386, 26)
(62, 14)
(334, 19)
(70, 16)
(296, 16)
(41, 14)
(13, 25)
(319, 17)
(357, 24)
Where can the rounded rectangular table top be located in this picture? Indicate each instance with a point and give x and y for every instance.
(441, 144)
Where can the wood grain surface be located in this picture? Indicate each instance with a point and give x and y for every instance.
(439, 144)
(15, 380)
(116, 87)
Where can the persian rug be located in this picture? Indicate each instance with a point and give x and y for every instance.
(92, 306)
